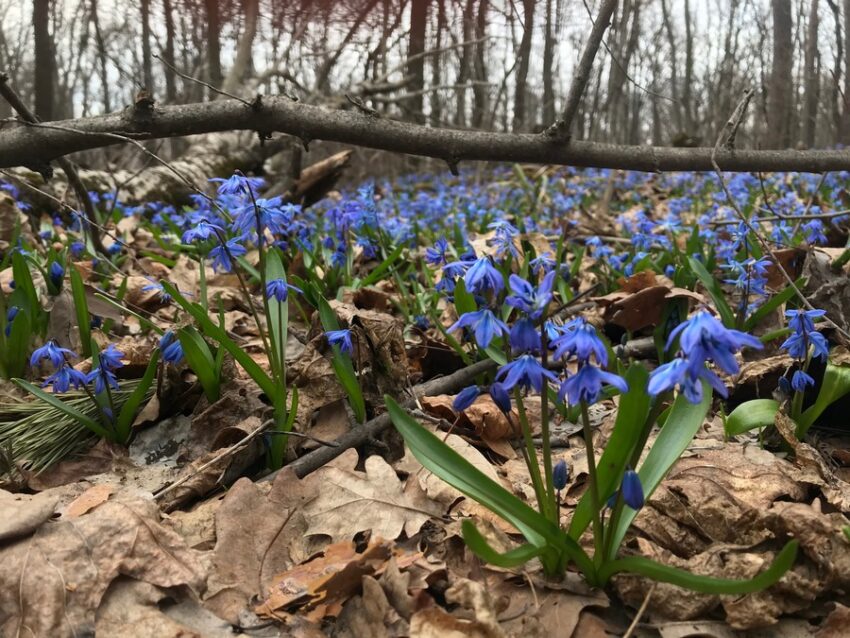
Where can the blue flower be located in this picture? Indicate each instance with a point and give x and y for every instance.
(111, 358)
(236, 184)
(500, 397)
(801, 380)
(525, 372)
(272, 214)
(10, 317)
(529, 299)
(114, 248)
(52, 351)
(201, 232)
(223, 254)
(681, 372)
(632, 489)
(56, 273)
(704, 338)
(803, 320)
(580, 339)
(483, 276)
(341, 339)
(64, 378)
(586, 385)
(77, 249)
(485, 324)
(465, 398)
(524, 337)
(798, 344)
(437, 255)
(560, 475)
(279, 289)
(172, 350)
(164, 297)
(103, 378)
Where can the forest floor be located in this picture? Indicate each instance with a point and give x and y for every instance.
(184, 531)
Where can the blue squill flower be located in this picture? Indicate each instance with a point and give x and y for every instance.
(485, 325)
(586, 385)
(500, 397)
(64, 378)
(172, 350)
(801, 380)
(483, 276)
(560, 475)
(581, 340)
(530, 299)
(52, 351)
(524, 337)
(111, 357)
(632, 489)
(703, 338)
(436, 256)
(682, 373)
(341, 339)
(201, 232)
(525, 372)
(279, 289)
(56, 274)
(223, 254)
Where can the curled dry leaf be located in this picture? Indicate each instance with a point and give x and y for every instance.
(434, 622)
(22, 514)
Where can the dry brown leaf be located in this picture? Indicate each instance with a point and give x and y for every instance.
(352, 502)
(836, 624)
(258, 534)
(53, 582)
(22, 514)
(327, 579)
(433, 622)
(88, 500)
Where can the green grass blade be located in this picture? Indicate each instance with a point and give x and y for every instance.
(772, 304)
(481, 548)
(56, 402)
(714, 291)
(200, 359)
(124, 423)
(81, 308)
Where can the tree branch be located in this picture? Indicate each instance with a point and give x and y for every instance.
(585, 66)
(28, 144)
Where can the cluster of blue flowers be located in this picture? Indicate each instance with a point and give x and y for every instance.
(65, 376)
(804, 340)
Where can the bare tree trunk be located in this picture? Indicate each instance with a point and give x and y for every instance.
(811, 79)
(548, 68)
(416, 65)
(524, 56)
(45, 60)
(781, 78)
(437, 65)
(168, 54)
(690, 115)
(676, 106)
(213, 44)
(147, 68)
(236, 74)
(834, 102)
(844, 134)
(463, 72)
(480, 91)
(101, 55)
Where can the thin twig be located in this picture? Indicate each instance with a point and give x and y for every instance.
(202, 83)
(640, 612)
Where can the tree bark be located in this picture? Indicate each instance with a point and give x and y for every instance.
(524, 60)
(780, 96)
(213, 45)
(548, 67)
(101, 55)
(812, 79)
(437, 65)
(480, 90)
(30, 145)
(416, 64)
(45, 60)
(147, 66)
(168, 55)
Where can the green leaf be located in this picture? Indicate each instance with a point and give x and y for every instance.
(57, 403)
(128, 411)
(704, 584)
(464, 301)
(18, 344)
(714, 291)
(278, 318)
(481, 548)
(631, 417)
(379, 271)
(750, 415)
(342, 364)
(450, 466)
(772, 304)
(24, 284)
(682, 424)
(836, 383)
(200, 359)
(81, 308)
(212, 330)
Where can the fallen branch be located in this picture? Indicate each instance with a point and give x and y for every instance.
(22, 144)
(361, 434)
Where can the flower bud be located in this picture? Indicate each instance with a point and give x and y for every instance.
(632, 489)
(500, 397)
(560, 474)
(465, 398)
(57, 273)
